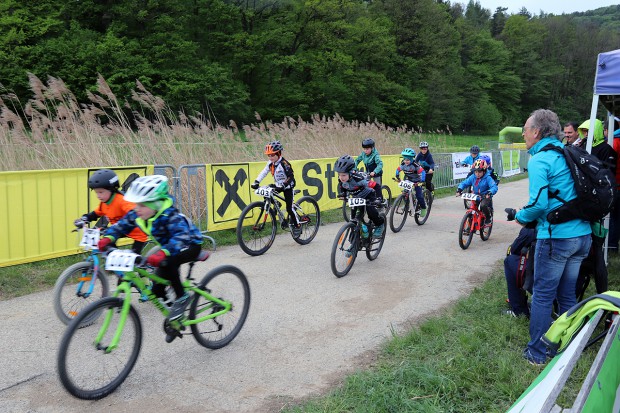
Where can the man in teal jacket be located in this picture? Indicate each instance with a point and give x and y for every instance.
(559, 248)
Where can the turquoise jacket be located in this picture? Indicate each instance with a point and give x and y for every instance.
(548, 172)
(372, 162)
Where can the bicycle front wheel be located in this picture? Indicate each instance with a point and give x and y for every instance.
(399, 213)
(344, 249)
(466, 230)
(309, 215)
(90, 370)
(226, 283)
(256, 229)
(77, 287)
(347, 212)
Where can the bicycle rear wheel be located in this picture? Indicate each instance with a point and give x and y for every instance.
(256, 229)
(344, 249)
(387, 196)
(309, 215)
(399, 213)
(428, 199)
(375, 245)
(72, 291)
(485, 232)
(466, 231)
(226, 283)
(91, 371)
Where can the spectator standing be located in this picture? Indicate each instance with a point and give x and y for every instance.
(600, 148)
(614, 219)
(571, 132)
(560, 248)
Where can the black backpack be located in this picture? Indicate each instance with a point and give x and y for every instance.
(595, 185)
(132, 177)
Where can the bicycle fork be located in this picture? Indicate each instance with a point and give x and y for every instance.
(116, 338)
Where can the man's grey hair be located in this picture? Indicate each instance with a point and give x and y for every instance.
(547, 122)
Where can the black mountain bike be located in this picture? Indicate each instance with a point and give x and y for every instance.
(350, 240)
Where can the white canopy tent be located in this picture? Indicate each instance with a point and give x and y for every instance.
(606, 92)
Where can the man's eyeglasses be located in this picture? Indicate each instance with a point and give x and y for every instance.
(524, 128)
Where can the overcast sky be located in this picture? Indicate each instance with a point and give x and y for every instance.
(548, 6)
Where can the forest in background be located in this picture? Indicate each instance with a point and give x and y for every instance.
(430, 64)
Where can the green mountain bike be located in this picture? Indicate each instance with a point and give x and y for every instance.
(94, 360)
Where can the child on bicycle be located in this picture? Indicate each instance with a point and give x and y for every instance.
(425, 160)
(490, 169)
(413, 173)
(482, 184)
(113, 205)
(474, 155)
(284, 178)
(353, 182)
(372, 163)
(180, 240)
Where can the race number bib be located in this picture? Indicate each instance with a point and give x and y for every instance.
(90, 239)
(356, 202)
(264, 191)
(408, 185)
(121, 260)
(470, 196)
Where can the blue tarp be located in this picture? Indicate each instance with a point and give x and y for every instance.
(607, 81)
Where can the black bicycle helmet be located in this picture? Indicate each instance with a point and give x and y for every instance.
(368, 143)
(344, 164)
(474, 149)
(104, 178)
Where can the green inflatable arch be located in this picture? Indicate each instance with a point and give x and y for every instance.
(513, 131)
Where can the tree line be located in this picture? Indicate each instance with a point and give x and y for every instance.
(429, 64)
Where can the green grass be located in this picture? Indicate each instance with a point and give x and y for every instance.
(465, 359)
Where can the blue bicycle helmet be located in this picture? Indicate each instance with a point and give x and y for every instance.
(474, 149)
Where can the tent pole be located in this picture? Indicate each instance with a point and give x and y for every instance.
(592, 119)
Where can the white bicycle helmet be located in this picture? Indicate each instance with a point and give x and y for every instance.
(147, 189)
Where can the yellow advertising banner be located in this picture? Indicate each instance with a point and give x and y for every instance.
(229, 192)
(37, 210)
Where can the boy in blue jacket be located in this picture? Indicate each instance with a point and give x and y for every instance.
(179, 239)
(482, 184)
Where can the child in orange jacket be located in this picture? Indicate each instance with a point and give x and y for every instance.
(112, 205)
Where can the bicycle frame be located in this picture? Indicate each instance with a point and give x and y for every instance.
(134, 279)
(411, 192)
(477, 224)
(274, 199)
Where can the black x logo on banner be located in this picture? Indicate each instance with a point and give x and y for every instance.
(231, 190)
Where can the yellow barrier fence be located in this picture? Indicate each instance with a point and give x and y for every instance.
(37, 210)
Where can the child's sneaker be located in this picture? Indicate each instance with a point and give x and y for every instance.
(364, 231)
(422, 212)
(378, 231)
(178, 308)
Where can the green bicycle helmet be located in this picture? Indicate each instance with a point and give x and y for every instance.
(147, 189)
(408, 153)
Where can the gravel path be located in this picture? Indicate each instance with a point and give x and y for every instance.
(306, 329)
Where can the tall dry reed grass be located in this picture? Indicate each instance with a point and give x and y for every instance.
(53, 131)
